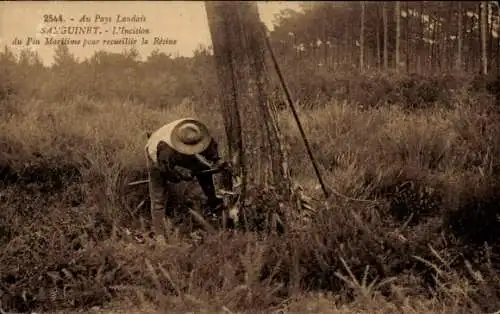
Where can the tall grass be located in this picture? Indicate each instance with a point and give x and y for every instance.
(71, 237)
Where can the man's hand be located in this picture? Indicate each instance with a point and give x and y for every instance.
(183, 173)
(224, 165)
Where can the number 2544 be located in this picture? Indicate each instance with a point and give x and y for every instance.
(51, 18)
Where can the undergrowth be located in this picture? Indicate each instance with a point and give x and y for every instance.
(71, 235)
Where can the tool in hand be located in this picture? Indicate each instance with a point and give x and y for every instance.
(225, 166)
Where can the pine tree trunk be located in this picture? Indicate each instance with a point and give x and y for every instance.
(421, 49)
(325, 41)
(459, 37)
(484, 29)
(498, 67)
(439, 42)
(254, 138)
(347, 48)
(433, 45)
(467, 37)
(386, 33)
(397, 15)
(489, 35)
(362, 38)
(447, 43)
(377, 32)
(407, 39)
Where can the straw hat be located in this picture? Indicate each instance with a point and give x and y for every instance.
(187, 136)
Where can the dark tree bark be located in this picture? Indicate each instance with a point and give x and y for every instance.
(386, 36)
(422, 52)
(483, 20)
(397, 16)
(362, 38)
(448, 51)
(491, 52)
(254, 139)
(347, 47)
(407, 38)
(433, 46)
(377, 32)
(459, 37)
(467, 38)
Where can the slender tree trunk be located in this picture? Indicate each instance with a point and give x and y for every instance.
(326, 53)
(386, 35)
(347, 48)
(484, 29)
(498, 59)
(498, 68)
(479, 40)
(448, 43)
(459, 37)
(397, 15)
(325, 40)
(362, 38)
(489, 35)
(334, 54)
(432, 44)
(438, 37)
(467, 39)
(422, 56)
(339, 59)
(254, 139)
(377, 35)
(407, 39)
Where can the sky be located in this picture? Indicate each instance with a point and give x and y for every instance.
(182, 25)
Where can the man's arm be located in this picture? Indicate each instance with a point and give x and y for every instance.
(210, 158)
(166, 161)
(183, 173)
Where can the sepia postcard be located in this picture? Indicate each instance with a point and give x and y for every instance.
(249, 157)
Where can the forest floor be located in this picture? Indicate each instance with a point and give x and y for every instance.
(72, 241)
